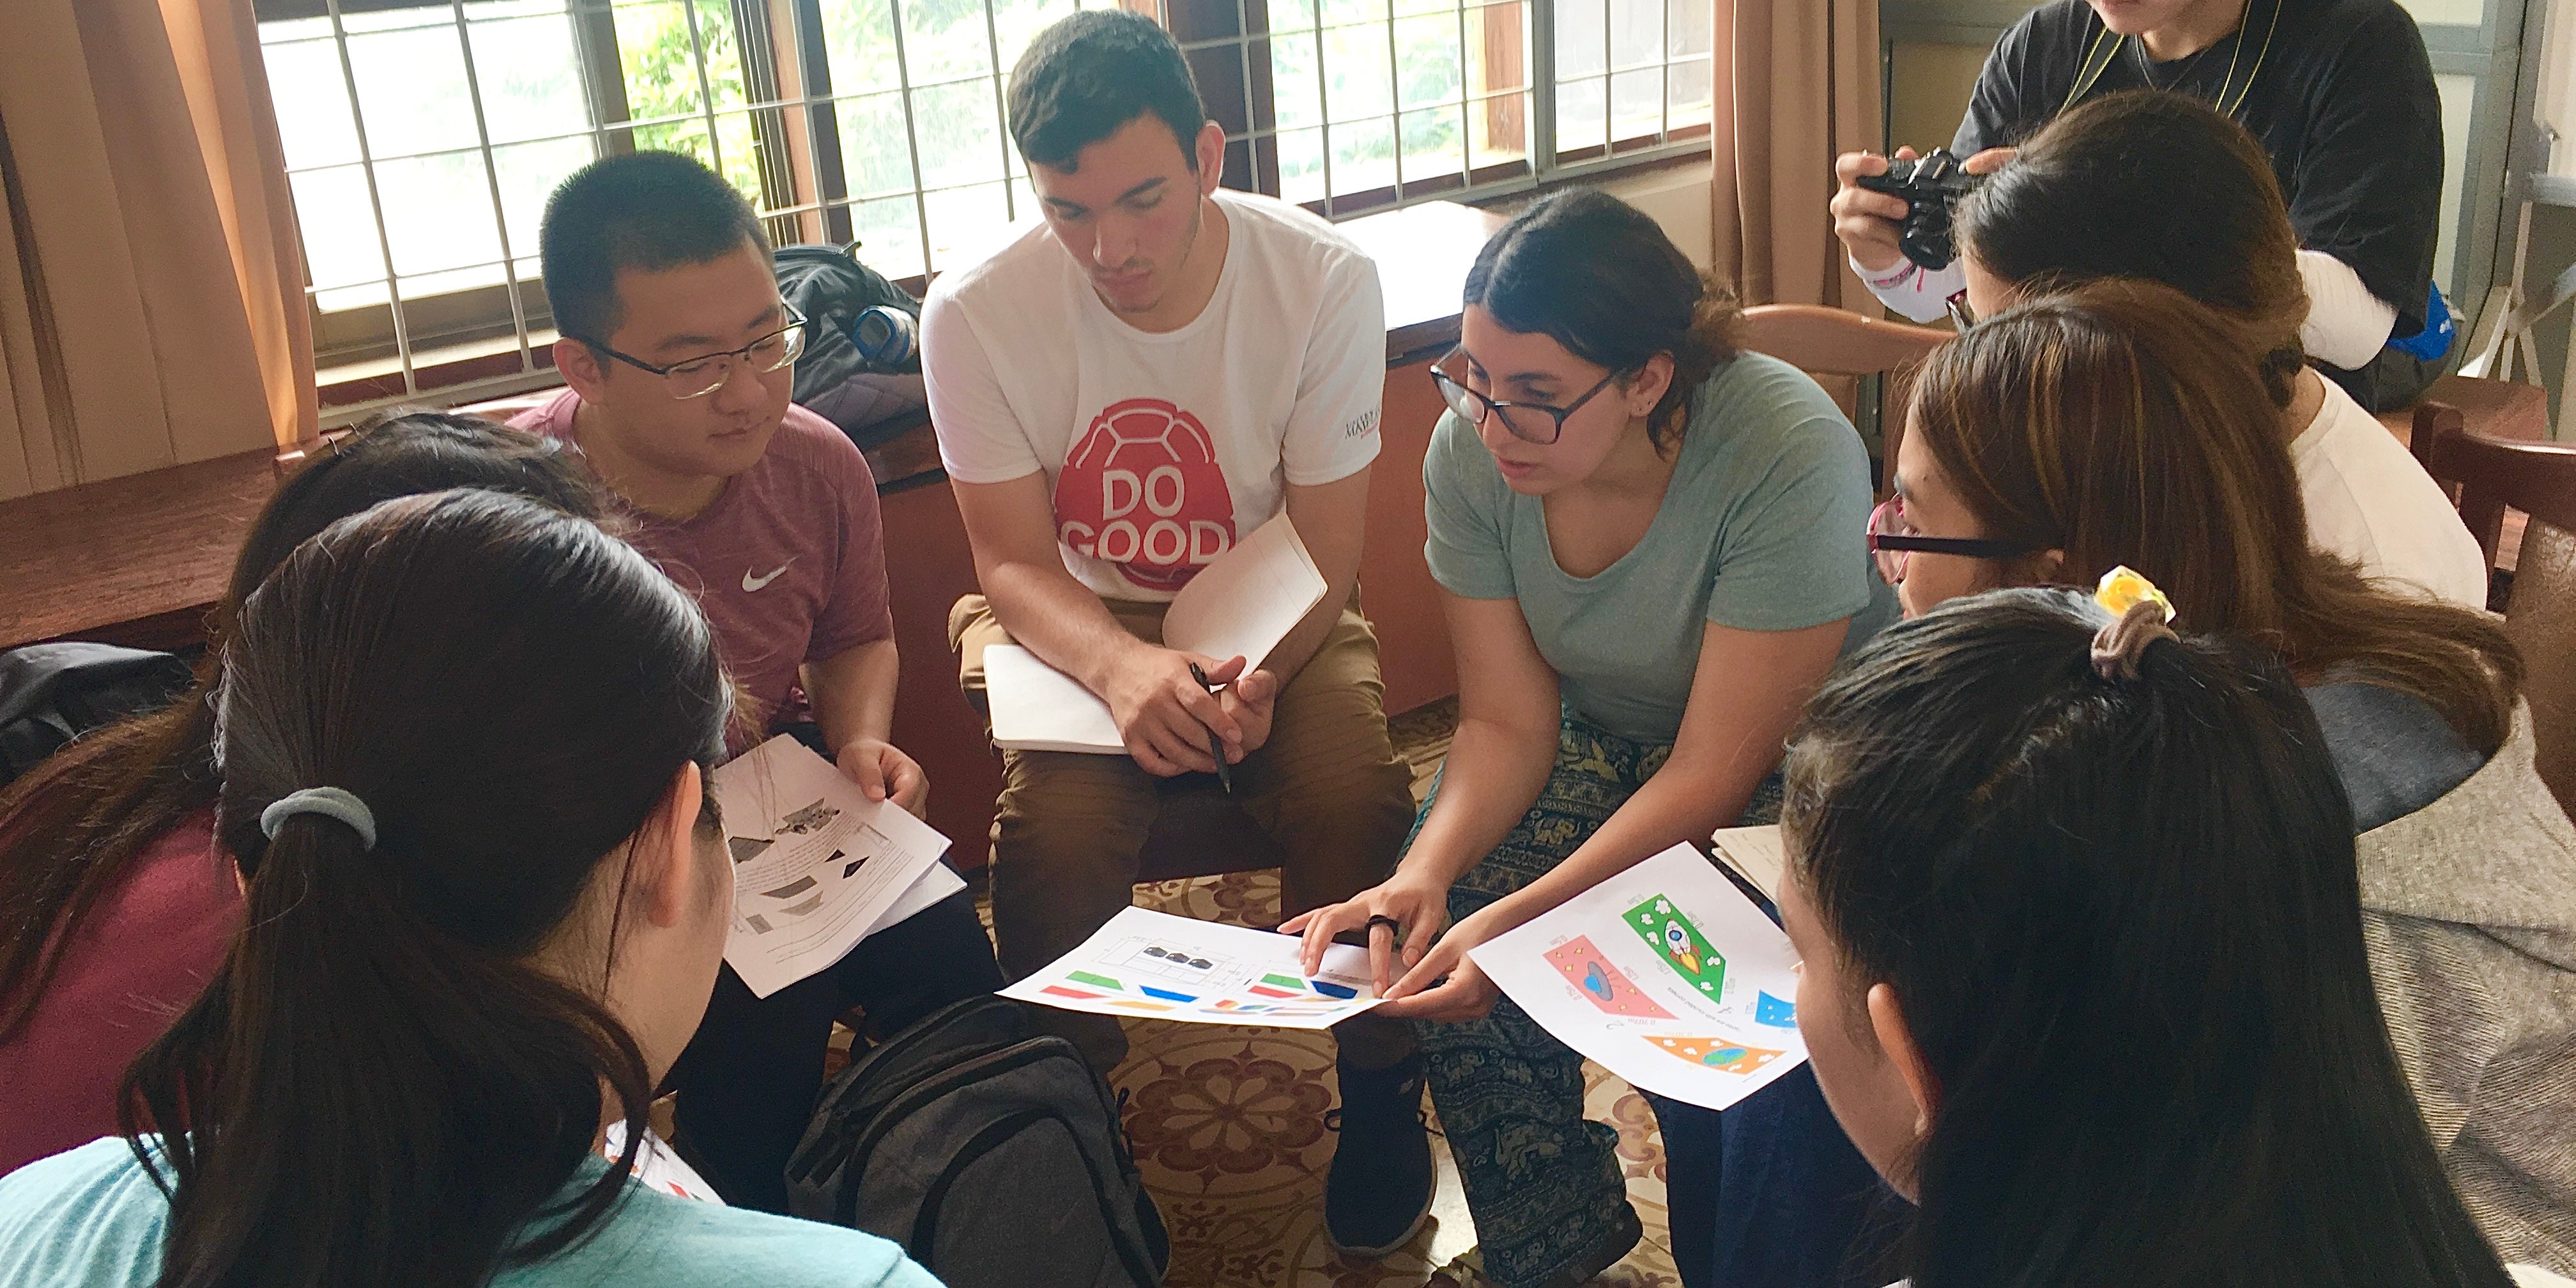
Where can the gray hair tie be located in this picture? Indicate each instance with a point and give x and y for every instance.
(329, 802)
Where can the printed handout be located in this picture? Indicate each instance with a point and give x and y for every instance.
(1755, 853)
(1242, 605)
(1162, 967)
(817, 866)
(1665, 975)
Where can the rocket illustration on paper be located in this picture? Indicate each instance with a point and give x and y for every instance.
(1679, 944)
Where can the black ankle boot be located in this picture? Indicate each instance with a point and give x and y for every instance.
(1379, 1189)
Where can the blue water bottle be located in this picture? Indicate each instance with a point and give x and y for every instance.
(887, 338)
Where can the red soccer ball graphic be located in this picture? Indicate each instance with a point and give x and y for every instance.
(1143, 490)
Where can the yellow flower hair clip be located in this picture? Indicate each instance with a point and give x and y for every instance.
(2140, 615)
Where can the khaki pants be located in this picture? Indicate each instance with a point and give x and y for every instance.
(1070, 827)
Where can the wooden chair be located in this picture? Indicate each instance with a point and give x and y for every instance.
(2494, 408)
(1825, 341)
(2539, 479)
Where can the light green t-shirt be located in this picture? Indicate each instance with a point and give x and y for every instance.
(91, 1218)
(1763, 528)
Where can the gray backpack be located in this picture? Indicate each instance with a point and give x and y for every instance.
(993, 1154)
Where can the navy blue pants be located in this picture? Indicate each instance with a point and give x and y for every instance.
(1771, 1194)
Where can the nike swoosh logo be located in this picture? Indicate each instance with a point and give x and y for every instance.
(750, 582)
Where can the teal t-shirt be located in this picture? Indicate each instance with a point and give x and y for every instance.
(91, 1218)
(1763, 528)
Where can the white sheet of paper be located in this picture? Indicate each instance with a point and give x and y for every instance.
(935, 883)
(1039, 708)
(1757, 855)
(815, 864)
(1247, 601)
(1665, 975)
(1161, 967)
(1243, 604)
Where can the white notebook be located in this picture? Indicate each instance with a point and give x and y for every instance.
(1241, 605)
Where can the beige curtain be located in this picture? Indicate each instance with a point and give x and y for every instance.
(1801, 81)
(151, 288)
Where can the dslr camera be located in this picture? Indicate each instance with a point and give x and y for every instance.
(1930, 185)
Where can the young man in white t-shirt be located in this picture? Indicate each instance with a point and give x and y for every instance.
(1120, 396)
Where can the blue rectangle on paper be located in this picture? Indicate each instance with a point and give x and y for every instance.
(1166, 994)
(1333, 990)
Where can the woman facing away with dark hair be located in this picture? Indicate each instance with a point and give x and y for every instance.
(115, 906)
(463, 740)
(1648, 552)
(2159, 186)
(2083, 962)
(2115, 424)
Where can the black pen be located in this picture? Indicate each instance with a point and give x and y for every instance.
(1216, 745)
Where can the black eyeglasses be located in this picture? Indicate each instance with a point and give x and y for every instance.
(1530, 422)
(702, 375)
(1892, 538)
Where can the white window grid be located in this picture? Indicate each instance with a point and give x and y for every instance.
(400, 166)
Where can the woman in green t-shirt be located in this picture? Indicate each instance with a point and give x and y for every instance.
(1650, 548)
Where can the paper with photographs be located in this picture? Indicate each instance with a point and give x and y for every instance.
(1162, 967)
(1665, 975)
(816, 865)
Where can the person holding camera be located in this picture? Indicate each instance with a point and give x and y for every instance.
(2340, 94)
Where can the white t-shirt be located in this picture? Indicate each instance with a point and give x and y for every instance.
(2369, 501)
(1161, 449)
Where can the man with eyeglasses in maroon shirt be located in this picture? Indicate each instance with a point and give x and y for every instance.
(680, 356)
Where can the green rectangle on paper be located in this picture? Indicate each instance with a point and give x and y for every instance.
(1285, 981)
(1097, 981)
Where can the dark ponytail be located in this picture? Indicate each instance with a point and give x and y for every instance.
(2122, 920)
(1598, 276)
(382, 1087)
(72, 828)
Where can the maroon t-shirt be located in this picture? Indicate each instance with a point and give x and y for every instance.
(140, 957)
(788, 561)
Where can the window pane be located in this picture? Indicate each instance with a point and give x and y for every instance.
(313, 118)
(1579, 39)
(1341, 12)
(1301, 165)
(530, 75)
(438, 213)
(660, 64)
(1636, 32)
(1355, 60)
(1294, 87)
(945, 39)
(1427, 62)
(1688, 92)
(1692, 22)
(1290, 15)
(1433, 144)
(858, 42)
(1498, 129)
(1363, 156)
(1580, 120)
(339, 227)
(889, 233)
(411, 89)
(874, 150)
(1637, 103)
(1497, 47)
(961, 139)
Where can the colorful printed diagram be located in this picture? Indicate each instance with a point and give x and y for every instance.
(1600, 983)
(1679, 945)
(1270, 994)
(1721, 1054)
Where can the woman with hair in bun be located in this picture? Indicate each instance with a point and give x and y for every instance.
(1648, 544)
